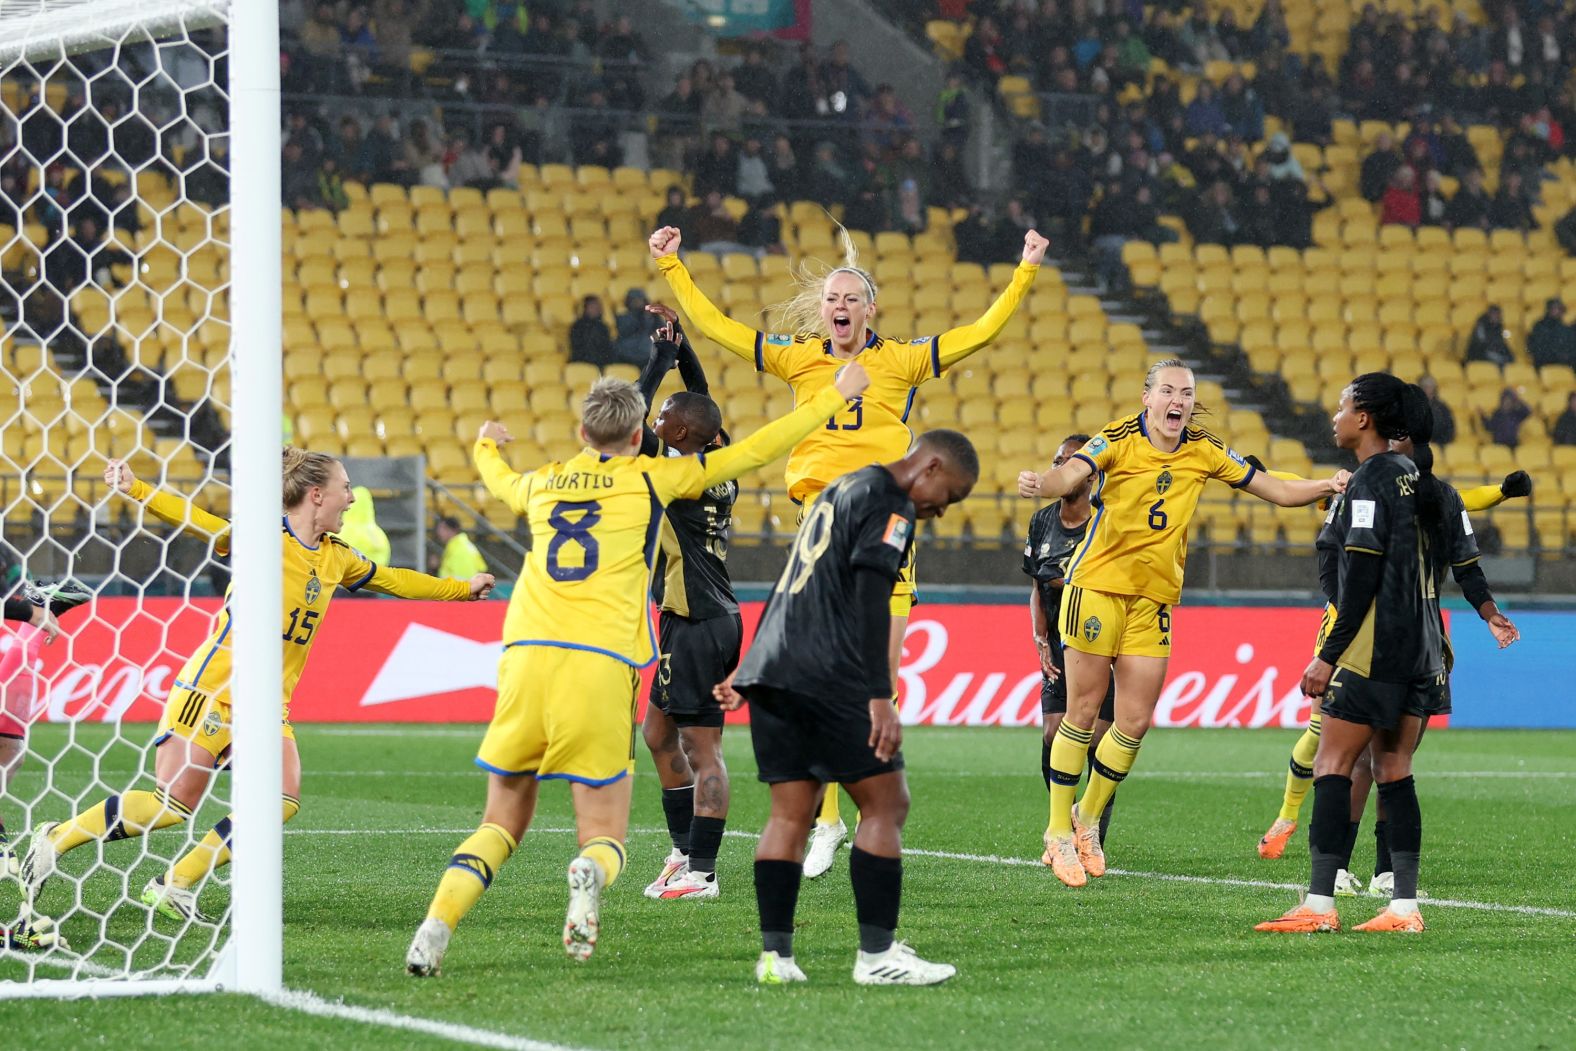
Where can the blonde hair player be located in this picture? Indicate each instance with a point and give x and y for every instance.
(193, 738)
(1149, 471)
(829, 322)
(577, 633)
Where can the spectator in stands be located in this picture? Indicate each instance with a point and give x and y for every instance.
(803, 93)
(848, 92)
(1015, 221)
(717, 168)
(1488, 341)
(782, 168)
(1551, 341)
(358, 46)
(346, 149)
(467, 164)
(1132, 54)
(829, 180)
(753, 180)
(865, 206)
(754, 78)
(1434, 203)
(424, 156)
(1283, 164)
(1200, 42)
(320, 42)
(1205, 115)
(589, 339)
(973, 235)
(1504, 423)
(298, 181)
(594, 135)
(712, 227)
(461, 560)
(1457, 154)
(361, 530)
(1401, 204)
(1120, 217)
(1565, 232)
(1311, 114)
(761, 231)
(952, 110)
(1470, 206)
(1565, 425)
(1065, 197)
(1216, 219)
(1270, 33)
(504, 154)
(331, 186)
(382, 158)
(674, 210)
(1379, 167)
(984, 53)
(1444, 419)
(1511, 209)
(635, 327)
(1241, 105)
(623, 52)
(723, 108)
(949, 185)
(888, 120)
(394, 22)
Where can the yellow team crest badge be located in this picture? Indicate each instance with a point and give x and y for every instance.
(1091, 629)
(1163, 483)
(314, 588)
(211, 724)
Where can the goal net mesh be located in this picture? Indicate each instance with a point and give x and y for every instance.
(115, 339)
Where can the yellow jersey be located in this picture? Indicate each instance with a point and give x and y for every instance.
(1144, 501)
(872, 428)
(311, 572)
(594, 522)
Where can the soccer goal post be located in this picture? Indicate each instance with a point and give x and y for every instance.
(140, 320)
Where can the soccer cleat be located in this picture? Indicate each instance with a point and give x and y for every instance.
(172, 902)
(1087, 839)
(1395, 922)
(1061, 854)
(38, 864)
(899, 966)
(690, 885)
(580, 922)
(424, 958)
(824, 840)
(32, 932)
(772, 969)
(1303, 920)
(1347, 885)
(1273, 843)
(676, 865)
(1382, 886)
(60, 597)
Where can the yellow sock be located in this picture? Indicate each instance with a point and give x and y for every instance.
(829, 814)
(1113, 758)
(120, 817)
(1300, 777)
(470, 872)
(1068, 752)
(214, 850)
(608, 853)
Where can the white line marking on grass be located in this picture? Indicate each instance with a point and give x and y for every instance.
(982, 859)
(312, 1004)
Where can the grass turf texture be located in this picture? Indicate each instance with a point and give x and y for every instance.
(1134, 961)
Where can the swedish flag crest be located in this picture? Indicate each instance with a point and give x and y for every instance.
(314, 588)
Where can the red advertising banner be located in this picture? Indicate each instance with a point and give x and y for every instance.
(382, 660)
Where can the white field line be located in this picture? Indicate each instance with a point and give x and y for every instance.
(312, 1004)
(981, 859)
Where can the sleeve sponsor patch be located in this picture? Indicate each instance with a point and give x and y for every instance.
(1466, 524)
(777, 339)
(1097, 445)
(897, 532)
(1236, 457)
(1362, 514)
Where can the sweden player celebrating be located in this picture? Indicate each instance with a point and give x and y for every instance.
(577, 632)
(193, 739)
(826, 324)
(1149, 472)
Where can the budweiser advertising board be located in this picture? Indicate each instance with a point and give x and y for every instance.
(382, 660)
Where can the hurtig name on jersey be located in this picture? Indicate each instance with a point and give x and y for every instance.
(580, 480)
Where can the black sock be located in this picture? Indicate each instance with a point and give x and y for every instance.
(704, 838)
(679, 806)
(1405, 820)
(878, 891)
(1332, 809)
(1382, 862)
(1045, 764)
(776, 895)
(1105, 819)
(1349, 844)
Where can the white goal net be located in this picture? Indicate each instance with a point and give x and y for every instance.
(118, 333)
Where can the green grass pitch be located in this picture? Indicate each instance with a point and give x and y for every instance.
(1132, 961)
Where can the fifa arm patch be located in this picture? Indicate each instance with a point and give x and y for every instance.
(1362, 514)
(898, 530)
(1466, 524)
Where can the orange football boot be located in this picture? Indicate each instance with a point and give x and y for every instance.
(1303, 920)
(1062, 856)
(1410, 923)
(1087, 839)
(1273, 843)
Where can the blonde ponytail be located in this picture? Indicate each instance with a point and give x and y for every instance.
(801, 313)
(302, 471)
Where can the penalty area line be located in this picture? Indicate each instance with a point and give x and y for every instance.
(312, 1004)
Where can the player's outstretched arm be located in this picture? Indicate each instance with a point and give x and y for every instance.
(1055, 483)
(958, 343)
(1483, 497)
(506, 484)
(776, 438)
(169, 508)
(1299, 493)
(407, 583)
(713, 323)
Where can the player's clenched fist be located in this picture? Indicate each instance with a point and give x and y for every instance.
(727, 696)
(1034, 247)
(495, 432)
(665, 242)
(1029, 484)
(481, 585)
(117, 475)
(852, 380)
